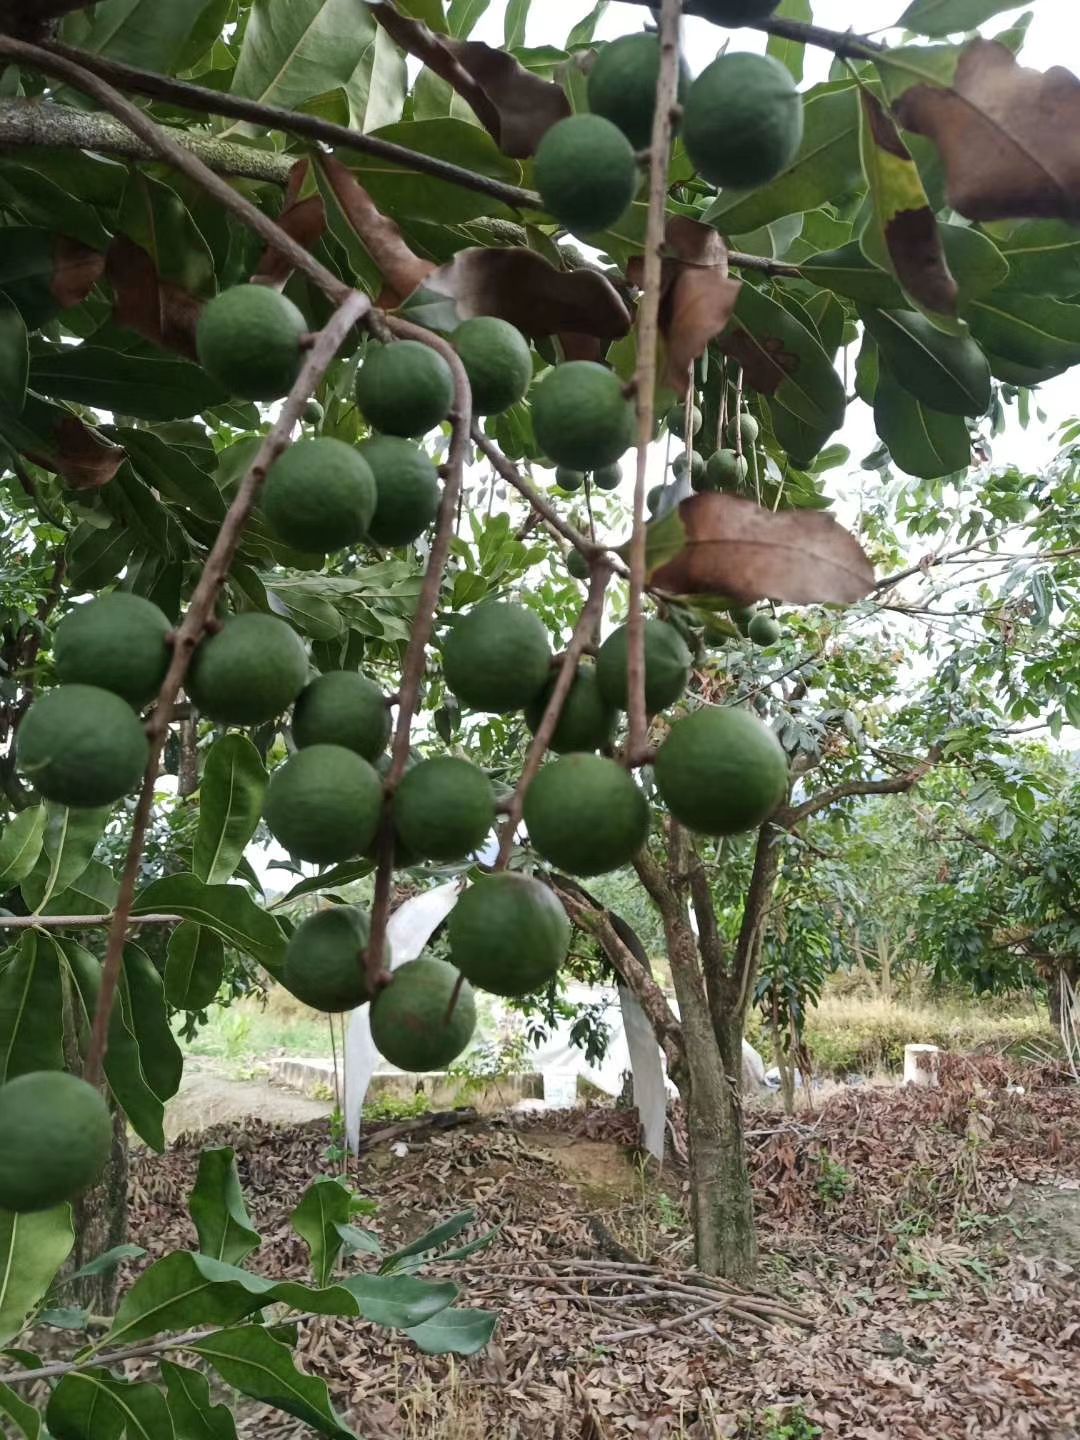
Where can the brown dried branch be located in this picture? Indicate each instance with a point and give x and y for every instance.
(326, 344)
(579, 641)
(645, 379)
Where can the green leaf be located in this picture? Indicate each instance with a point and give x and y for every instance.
(194, 1413)
(378, 86)
(97, 556)
(517, 17)
(293, 50)
(89, 1404)
(159, 1055)
(31, 1010)
(145, 387)
(19, 1413)
(332, 879)
(312, 615)
(32, 1249)
(791, 53)
(355, 1241)
(14, 357)
(921, 441)
(20, 846)
(69, 842)
(171, 472)
(432, 1240)
(154, 216)
(946, 17)
(228, 910)
(93, 893)
(977, 264)
(123, 1061)
(403, 193)
(217, 1206)
(584, 32)
(107, 1261)
(194, 966)
(826, 169)
(454, 1332)
(325, 1206)
(399, 1301)
(1043, 256)
(1038, 333)
(136, 32)
(230, 806)
(253, 1362)
(947, 372)
(82, 1408)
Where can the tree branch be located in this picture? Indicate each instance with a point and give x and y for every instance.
(275, 117)
(843, 43)
(52, 63)
(789, 816)
(583, 632)
(34, 124)
(419, 635)
(353, 309)
(755, 908)
(80, 922)
(657, 887)
(645, 376)
(32, 18)
(709, 942)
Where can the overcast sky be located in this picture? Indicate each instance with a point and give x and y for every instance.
(1053, 39)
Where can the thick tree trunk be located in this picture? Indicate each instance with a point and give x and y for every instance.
(100, 1221)
(1068, 966)
(721, 1199)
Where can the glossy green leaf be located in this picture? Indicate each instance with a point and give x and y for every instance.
(96, 556)
(154, 216)
(329, 880)
(230, 806)
(433, 1239)
(253, 1362)
(20, 845)
(91, 893)
(946, 17)
(194, 966)
(228, 910)
(81, 1407)
(313, 615)
(68, 846)
(136, 32)
(791, 53)
(455, 1332)
(826, 169)
(32, 1249)
(977, 264)
(160, 1056)
(171, 472)
(1043, 256)
(517, 17)
(123, 1061)
(293, 50)
(402, 192)
(584, 32)
(1030, 330)
(108, 1261)
(377, 87)
(399, 1301)
(921, 441)
(193, 1411)
(355, 1241)
(947, 372)
(31, 1010)
(19, 1413)
(217, 1206)
(325, 1205)
(147, 388)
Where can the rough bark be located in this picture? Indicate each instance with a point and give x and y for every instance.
(100, 1221)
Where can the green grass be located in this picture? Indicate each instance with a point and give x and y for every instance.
(250, 1031)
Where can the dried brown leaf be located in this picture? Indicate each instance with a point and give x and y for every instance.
(522, 287)
(401, 269)
(736, 548)
(82, 458)
(303, 218)
(516, 107)
(76, 270)
(1007, 135)
(156, 309)
(697, 296)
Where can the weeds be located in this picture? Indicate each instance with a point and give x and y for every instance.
(834, 1181)
(792, 1423)
(394, 1107)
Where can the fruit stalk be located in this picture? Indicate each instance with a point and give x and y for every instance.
(420, 634)
(354, 308)
(579, 642)
(648, 339)
(182, 159)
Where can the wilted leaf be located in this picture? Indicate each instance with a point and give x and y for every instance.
(56, 439)
(302, 217)
(401, 270)
(516, 107)
(697, 296)
(904, 226)
(736, 548)
(522, 287)
(158, 310)
(1007, 134)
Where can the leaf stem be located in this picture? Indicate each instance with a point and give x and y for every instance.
(648, 340)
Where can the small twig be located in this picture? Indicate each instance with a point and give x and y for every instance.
(645, 379)
(420, 633)
(353, 309)
(841, 42)
(513, 476)
(674, 1323)
(80, 922)
(274, 117)
(189, 164)
(583, 630)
